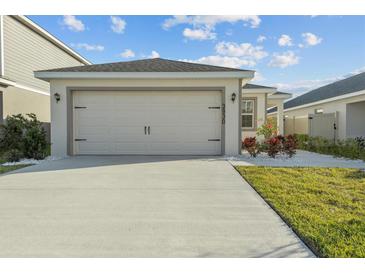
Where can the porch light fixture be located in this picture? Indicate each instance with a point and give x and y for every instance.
(57, 96)
(233, 97)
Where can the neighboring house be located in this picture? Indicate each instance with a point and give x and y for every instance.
(333, 111)
(255, 101)
(25, 47)
(153, 106)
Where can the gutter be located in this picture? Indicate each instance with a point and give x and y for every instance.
(48, 75)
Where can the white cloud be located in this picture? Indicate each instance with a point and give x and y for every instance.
(310, 39)
(258, 77)
(118, 24)
(88, 47)
(154, 54)
(284, 60)
(302, 86)
(199, 34)
(73, 23)
(210, 21)
(223, 61)
(285, 41)
(127, 53)
(230, 54)
(240, 50)
(261, 39)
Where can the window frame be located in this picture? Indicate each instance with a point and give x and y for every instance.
(253, 114)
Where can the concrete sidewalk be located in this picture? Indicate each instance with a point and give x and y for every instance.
(138, 206)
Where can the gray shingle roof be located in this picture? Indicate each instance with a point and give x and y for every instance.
(253, 86)
(342, 87)
(146, 65)
(281, 93)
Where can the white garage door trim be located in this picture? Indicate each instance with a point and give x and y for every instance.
(70, 118)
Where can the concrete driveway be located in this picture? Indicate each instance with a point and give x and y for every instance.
(138, 207)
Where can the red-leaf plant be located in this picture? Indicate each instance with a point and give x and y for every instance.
(274, 145)
(250, 144)
(290, 145)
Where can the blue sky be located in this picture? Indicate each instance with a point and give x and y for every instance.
(294, 53)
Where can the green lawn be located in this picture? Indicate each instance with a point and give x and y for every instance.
(324, 206)
(4, 169)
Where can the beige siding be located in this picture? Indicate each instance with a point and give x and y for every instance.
(20, 101)
(26, 51)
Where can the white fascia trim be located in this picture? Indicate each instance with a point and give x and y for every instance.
(279, 96)
(341, 97)
(31, 89)
(29, 23)
(10, 83)
(258, 90)
(7, 82)
(2, 61)
(142, 75)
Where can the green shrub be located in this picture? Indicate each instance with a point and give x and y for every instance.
(35, 144)
(13, 155)
(25, 135)
(349, 148)
(12, 133)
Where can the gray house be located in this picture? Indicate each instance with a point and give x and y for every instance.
(334, 111)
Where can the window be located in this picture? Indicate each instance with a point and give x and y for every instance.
(318, 111)
(248, 114)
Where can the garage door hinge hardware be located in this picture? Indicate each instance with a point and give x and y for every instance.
(214, 140)
(214, 107)
(79, 107)
(77, 140)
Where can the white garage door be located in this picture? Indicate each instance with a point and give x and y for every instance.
(149, 123)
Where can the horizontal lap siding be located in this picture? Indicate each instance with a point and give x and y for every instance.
(26, 51)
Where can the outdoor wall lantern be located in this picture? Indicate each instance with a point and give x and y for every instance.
(233, 97)
(57, 96)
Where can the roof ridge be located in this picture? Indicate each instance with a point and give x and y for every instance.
(146, 65)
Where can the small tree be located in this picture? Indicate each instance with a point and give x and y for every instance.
(267, 130)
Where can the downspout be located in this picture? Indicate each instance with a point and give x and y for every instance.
(2, 70)
(265, 116)
(239, 117)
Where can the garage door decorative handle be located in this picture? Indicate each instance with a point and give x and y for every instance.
(145, 130)
(149, 130)
(79, 107)
(78, 140)
(214, 140)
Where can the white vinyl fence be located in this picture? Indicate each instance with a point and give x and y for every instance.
(324, 125)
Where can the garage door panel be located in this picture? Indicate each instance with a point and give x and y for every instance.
(180, 122)
(128, 134)
(183, 134)
(129, 148)
(196, 148)
(88, 147)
